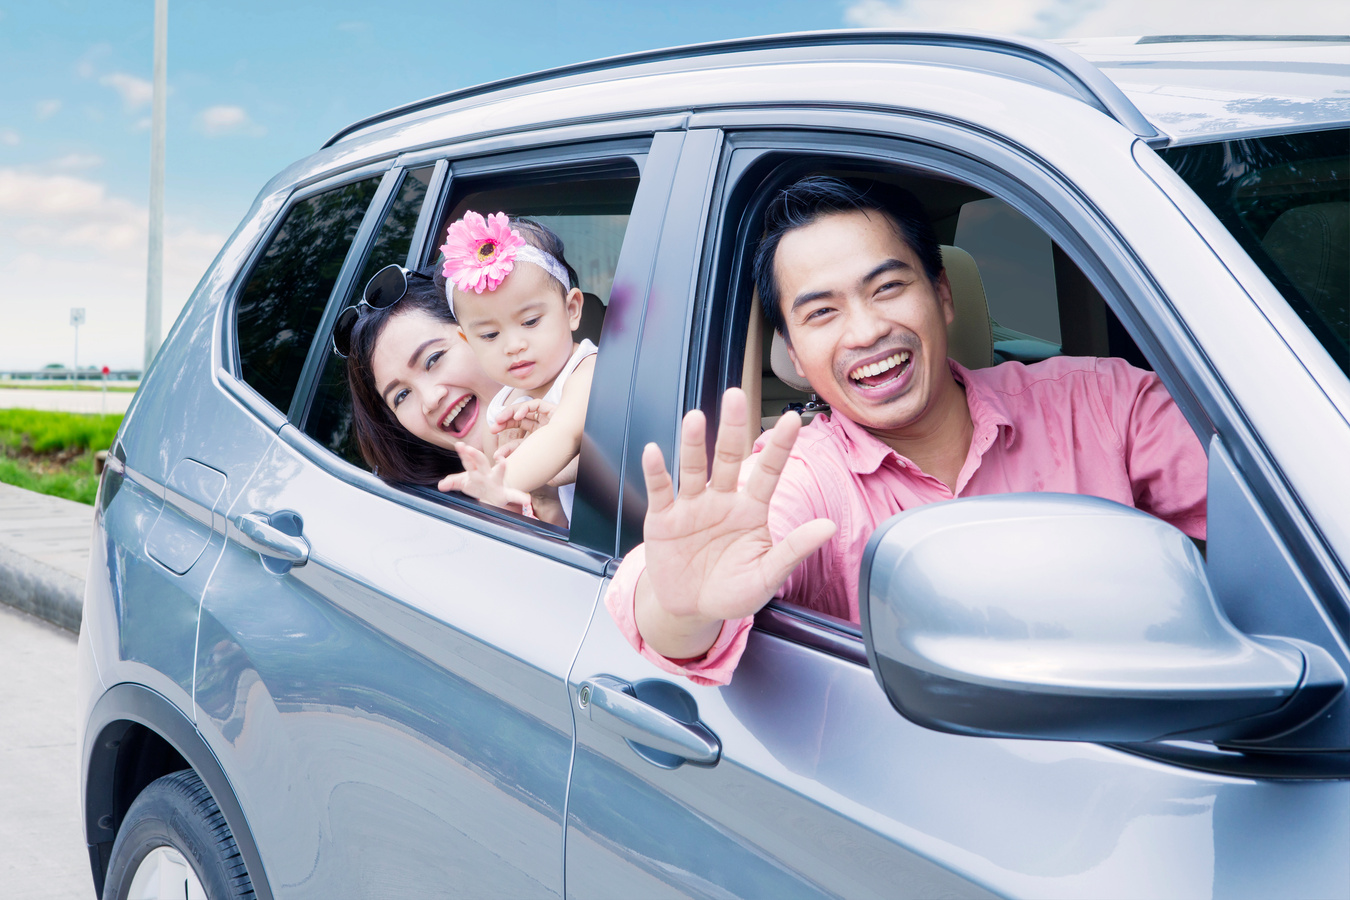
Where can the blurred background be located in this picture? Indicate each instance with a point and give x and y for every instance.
(256, 84)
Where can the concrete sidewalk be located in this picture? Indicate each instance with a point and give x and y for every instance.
(44, 554)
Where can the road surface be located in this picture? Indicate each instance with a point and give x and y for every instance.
(42, 849)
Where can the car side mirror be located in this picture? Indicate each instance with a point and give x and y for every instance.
(1065, 617)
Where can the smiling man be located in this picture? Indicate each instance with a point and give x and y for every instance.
(851, 275)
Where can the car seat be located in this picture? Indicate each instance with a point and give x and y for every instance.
(1309, 244)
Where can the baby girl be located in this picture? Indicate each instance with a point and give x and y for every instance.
(518, 320)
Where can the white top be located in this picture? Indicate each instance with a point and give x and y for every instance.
(586, 348)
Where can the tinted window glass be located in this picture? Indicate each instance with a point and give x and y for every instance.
(1287, 201)
(330, 417)
(280, 307)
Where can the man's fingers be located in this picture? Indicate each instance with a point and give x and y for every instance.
(789, 553)
(730, 450)
(693, 454)
(770, 460)
(660, 490)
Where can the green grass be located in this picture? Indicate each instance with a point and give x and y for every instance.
(86, 384)
(51, 432)
(75, 480)
(53, 452)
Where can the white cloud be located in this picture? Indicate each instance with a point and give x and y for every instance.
(48, 108)
(135, 92)
(77, 161)
(9, 137)
(218, 121)
(66, 240)
(1099, 18)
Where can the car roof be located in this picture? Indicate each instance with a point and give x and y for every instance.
(1200, 88)
(1166, 89)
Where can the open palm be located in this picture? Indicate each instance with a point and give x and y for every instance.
(710, 555)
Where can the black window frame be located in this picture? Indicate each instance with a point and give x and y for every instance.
(229, 363)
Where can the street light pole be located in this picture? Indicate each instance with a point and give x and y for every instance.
(154, 276)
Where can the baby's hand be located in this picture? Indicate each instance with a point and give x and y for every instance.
(525, 416)
(485, 481)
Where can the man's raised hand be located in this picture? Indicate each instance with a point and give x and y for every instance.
(710, 556)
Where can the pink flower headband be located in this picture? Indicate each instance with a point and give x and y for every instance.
(480, 253)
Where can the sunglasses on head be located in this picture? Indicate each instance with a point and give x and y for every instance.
(385, 288)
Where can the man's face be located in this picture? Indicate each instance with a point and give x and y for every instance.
(864, 324)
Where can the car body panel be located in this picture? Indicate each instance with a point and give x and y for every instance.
(401, 714)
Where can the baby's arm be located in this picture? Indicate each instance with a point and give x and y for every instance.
(548, 450)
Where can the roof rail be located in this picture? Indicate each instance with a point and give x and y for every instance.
(1085, 79)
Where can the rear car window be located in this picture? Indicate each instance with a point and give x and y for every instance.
(1286, 199)
(330, 419)
(280, 307)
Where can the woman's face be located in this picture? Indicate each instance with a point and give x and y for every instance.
(427, 375)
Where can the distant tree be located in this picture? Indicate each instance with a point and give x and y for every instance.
(54, 366)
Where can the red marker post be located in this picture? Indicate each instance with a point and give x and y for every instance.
(106, 372)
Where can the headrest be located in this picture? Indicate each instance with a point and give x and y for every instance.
(1308, 243)
(969, 339)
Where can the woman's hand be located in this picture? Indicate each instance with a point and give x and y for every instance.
(710, 556)
(485, 481)
(526, 417)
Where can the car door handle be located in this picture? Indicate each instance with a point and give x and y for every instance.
(256, 532)
(612, 705)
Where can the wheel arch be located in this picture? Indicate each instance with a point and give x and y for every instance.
(135, 735)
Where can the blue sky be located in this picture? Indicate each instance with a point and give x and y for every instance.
(255, 85)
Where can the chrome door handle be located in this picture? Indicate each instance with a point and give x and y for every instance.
(256, 532)
(611, 705)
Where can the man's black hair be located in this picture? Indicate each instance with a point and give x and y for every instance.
(806, 200)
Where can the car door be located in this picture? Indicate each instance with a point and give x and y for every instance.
(798, 778)
(383, 667)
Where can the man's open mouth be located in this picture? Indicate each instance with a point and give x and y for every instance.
(883, 371)
(459, 419)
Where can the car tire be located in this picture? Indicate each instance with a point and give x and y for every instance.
(174, 843)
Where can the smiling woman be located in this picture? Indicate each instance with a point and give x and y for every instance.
(416, 388)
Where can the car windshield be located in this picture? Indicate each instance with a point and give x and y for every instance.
(1287, 201)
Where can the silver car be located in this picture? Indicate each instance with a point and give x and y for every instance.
(297, 680)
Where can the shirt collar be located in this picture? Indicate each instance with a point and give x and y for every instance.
(865, 452)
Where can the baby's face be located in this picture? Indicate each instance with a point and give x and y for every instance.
(522, 331)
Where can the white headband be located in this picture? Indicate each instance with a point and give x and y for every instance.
(530, 254)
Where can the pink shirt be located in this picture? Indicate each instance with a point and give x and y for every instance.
(1071, 425)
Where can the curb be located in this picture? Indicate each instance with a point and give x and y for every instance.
(41, 590)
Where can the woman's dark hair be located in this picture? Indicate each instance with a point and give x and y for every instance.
(806, 200)
(392, 451)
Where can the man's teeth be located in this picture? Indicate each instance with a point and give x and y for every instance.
(877, 368)
(455, 410)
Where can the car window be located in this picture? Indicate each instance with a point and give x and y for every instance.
(1286, 199)
(330, 417)
(589, 211)
(280, 306)
(1011, 283)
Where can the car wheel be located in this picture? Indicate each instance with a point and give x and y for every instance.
(175, 843)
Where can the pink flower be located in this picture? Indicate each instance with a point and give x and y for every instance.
(480, 254)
